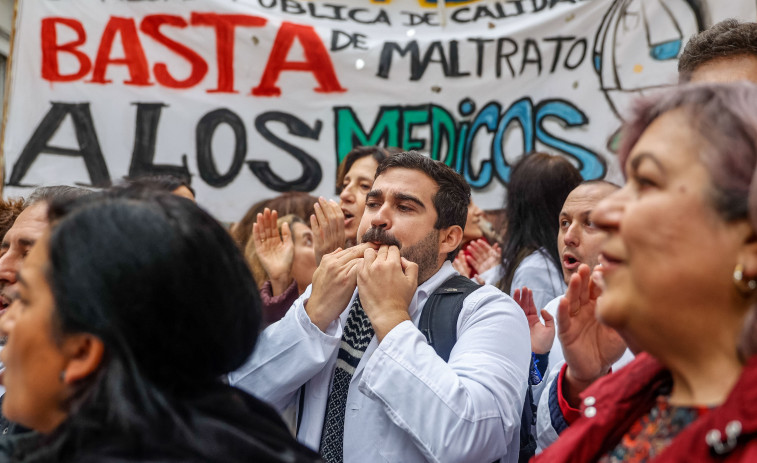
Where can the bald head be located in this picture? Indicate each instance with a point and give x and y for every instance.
(578, 240)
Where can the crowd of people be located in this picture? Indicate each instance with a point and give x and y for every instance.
(600, 323)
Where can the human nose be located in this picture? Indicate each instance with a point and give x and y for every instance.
(9, 263)
(348, 194)
(609, 212)
(381, 218)
(572, 235)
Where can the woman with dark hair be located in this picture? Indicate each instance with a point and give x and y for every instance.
(335, 225)
(130, 311)
(354, 180)
(678, 279)
(539, 184)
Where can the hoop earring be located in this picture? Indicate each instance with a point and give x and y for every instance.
(746, 287)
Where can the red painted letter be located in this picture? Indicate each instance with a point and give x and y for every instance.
(151, 26)
(317, 61)
(134, 56)
(51, 48)
(224, 25)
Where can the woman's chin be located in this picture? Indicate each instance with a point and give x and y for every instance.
(611, 311)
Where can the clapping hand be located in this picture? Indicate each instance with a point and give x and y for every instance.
(461, 265)
(328, 228)
(274, 251)
(483, 256)
(542, 334)
(590, 348)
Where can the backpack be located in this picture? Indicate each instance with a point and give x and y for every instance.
(438, 324)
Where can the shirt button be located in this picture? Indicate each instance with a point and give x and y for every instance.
(590, 401)
(590, 412)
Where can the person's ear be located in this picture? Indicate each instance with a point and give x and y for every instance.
(84, 353)
(450, 238)
(748, 253)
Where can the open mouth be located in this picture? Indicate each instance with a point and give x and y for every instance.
(348, 216)
(4, 303)
(570, 262)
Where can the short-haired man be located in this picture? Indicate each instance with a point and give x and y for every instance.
(374, 389)
(28, 227)
(30, 224)
(579, 242)
(725, 52)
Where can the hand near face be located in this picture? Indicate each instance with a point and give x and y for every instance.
(334, 282)
(542, 334)
(484, 256)
(328, 228)
(590, 348)
(461, 265)
(386, 284)
(275, 252)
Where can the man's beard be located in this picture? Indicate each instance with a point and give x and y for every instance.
(425, 253)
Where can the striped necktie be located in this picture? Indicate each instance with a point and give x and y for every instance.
(355, 338)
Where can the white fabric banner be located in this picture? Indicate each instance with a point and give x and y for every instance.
(254, 97)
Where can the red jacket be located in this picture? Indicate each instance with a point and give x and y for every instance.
(622, 398)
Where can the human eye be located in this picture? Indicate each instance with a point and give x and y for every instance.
(564, 223)
(365, 186)
(646, 173)
(372, 204)
(644, 182)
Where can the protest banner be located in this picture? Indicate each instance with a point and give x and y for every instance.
(256, 97)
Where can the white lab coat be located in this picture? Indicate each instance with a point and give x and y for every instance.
(405, 404)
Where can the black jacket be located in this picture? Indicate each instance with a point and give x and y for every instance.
(225, 425)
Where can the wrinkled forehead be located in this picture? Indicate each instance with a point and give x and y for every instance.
(29, 226)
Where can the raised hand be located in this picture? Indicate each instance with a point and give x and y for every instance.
(461, 265)
(386, 284)
(274, 251)
(483, 256)
(328, 228)
(542, 334)
(334, 282)
(590, 348)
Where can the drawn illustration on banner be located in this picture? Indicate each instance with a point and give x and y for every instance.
(663, 35)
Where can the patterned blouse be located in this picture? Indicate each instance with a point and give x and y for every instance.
(653, 432)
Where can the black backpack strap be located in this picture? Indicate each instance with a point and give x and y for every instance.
(300, 408)
(438, 321)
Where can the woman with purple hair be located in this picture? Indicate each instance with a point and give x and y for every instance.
(678, 280)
